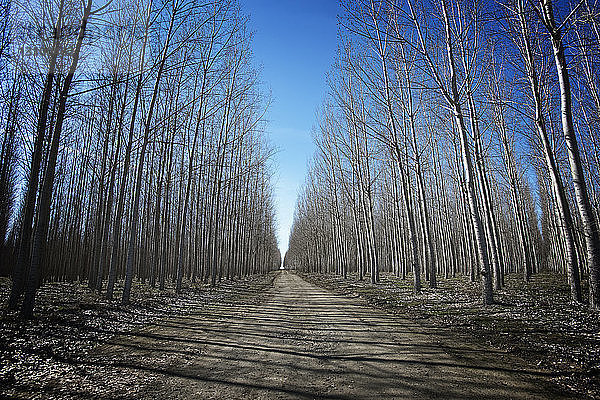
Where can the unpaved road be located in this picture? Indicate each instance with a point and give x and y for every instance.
(303, 342)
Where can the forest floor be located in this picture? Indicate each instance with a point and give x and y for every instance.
(535, 321)
(287, 338)
(45, 358)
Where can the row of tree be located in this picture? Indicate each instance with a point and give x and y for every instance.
(132, 146)
(458, 137)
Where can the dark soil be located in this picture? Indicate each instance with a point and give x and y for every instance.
(293, 341)
(535, 321)
(280, 337)
(42, 358)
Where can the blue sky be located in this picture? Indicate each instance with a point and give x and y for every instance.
(295, 43)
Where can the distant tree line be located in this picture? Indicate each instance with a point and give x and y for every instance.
(458, 137)
(132, 146)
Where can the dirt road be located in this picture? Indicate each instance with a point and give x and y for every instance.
(303, 342)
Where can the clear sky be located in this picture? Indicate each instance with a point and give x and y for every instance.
(295, 43)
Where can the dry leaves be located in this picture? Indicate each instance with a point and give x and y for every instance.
(534, 320)
(50, 356)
